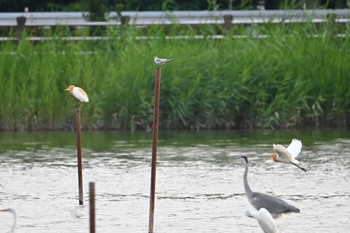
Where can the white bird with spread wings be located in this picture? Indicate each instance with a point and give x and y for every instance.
(288, 155)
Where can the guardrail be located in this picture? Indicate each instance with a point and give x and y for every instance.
(147, 18)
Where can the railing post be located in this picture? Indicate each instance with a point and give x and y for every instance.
(228, 21)
(21, 21)
(124, 20)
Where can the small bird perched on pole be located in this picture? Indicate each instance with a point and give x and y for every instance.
(78, 93)
(161, 61)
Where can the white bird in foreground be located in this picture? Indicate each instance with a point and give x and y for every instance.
(13, 211)
(161, 61)
(264, 218)
(288, 155)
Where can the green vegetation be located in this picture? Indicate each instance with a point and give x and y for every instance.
(290, 79)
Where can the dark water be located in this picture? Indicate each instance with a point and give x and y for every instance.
(199, 181)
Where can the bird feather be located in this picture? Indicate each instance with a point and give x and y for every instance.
(294, 148)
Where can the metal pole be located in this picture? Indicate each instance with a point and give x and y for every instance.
(79, 157)
(92, 208)
(154, 148)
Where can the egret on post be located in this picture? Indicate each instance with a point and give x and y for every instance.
(78, 93)
(81, 95)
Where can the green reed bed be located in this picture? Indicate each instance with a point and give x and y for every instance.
(291, 78)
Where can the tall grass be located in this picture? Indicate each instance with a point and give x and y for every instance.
(289, 79)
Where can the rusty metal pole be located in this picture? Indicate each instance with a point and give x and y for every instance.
(154, 149)
(92, 208)
(79, 157)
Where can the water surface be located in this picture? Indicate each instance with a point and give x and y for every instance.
(199, 181)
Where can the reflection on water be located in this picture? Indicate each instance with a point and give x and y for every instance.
(199, 181)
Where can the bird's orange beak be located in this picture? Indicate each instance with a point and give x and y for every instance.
(67, 89)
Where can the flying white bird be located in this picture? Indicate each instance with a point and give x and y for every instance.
(161, 61)
(288, 155)
(264, 218)
(14, 213)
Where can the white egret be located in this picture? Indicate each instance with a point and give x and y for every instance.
(288, 155)
(264, 218)
(78, 93)
(275, 205)
(14, 212)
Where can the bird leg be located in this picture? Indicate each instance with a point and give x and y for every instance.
(298, 166)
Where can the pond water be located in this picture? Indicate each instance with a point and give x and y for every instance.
(199, 181)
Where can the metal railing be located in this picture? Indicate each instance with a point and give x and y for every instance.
(180, 17)
(227, 18)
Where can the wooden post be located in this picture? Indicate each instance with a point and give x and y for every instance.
(92, 208)
(154, 148)
(79, 157)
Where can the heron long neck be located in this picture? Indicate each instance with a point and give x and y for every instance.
(247, 189)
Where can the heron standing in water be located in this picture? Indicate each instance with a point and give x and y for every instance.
(275, 205)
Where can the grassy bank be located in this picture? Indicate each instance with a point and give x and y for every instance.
(289, 79)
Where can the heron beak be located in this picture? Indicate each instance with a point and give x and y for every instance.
(67, 89)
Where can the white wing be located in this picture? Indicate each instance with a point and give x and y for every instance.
(80, 94)
(294, 148)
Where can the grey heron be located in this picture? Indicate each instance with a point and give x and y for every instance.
(288, 155)
(275, 205)
(13, 211)
(264, 219)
